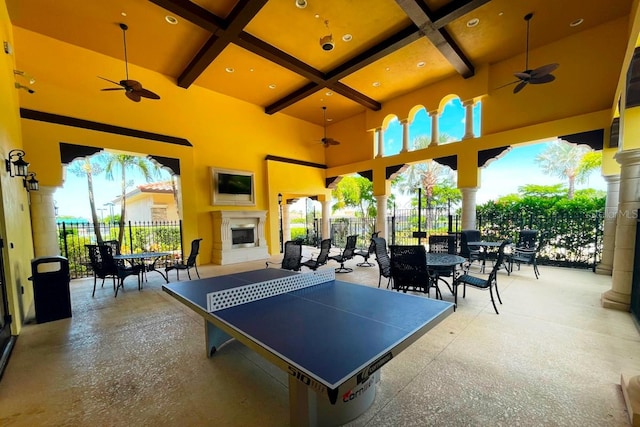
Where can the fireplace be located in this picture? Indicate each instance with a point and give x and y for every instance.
(238, 236)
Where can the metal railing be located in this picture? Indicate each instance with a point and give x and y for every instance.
(165, 236)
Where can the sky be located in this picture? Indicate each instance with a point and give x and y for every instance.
(501, 177)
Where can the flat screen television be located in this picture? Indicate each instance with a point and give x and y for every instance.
(232, 187)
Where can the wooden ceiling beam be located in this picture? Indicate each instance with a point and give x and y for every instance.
(193, 13)
(243, 12)
(431, 25)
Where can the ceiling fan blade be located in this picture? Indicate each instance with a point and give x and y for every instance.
(146, 93)
(520, 86)
(508, 84)
(111, 81)
(131, 84)
(547, 78)
(523, 75)
(133, 96)
(544, 70)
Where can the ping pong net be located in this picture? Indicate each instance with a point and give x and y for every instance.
(219, 300)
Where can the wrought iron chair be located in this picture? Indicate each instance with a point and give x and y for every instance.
(115, 246)
(489, 282)
(409, 269)
(472, 253)
(191, 262)
(526, 251)
(103, 265)
(366, 253)
(346, 254)
(322, 258)
(292, 259)
(443, 244)
(382, 259)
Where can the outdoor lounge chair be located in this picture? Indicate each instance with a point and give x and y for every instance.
(526, 251)
(322, 258)
(383, 260)
(366, 253)
(292, 259)
(346, 254)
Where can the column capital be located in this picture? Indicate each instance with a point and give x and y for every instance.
(434, 113)
(404, 121)
(628, 157)
(611, 179)
(468, 102)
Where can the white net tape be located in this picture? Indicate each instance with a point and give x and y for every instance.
(220, 300)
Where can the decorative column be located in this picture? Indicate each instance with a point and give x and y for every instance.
(468, 121)
(381, 217)
(435, 133)
(286, 223)
(619, 296)
(43, 222)
(469, 207)
(380, 134)
(609, 230)
(405, 135)
(326, 217)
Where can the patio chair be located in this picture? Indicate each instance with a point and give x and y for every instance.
(525, 251)
(409, 269)
(191, 262)
(322, 258)
(471, 253)
(366, 253)
(103, 265)
(442, 244)
(292, 259)
(383, 260)
(489, 282)
(115, 246)
(346, 254)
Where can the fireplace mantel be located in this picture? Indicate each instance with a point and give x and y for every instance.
(224, 251)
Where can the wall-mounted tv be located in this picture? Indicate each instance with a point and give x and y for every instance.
(232, 187)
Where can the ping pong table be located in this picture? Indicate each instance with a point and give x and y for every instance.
(331, 337)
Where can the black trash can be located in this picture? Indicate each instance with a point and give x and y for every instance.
(51, 288)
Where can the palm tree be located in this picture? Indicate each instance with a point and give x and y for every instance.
(84, 167)
(568, 161)
(122, 163)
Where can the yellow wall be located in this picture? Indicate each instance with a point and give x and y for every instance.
(15, 222)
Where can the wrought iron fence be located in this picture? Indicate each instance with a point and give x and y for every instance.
(165, 236)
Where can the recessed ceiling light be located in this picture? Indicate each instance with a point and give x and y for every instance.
(329, 119)
(500, 13)
(576, 22)
(251, 69)
(347, 38)
(171, 19)
(387, 69)
(272, 86)
(421, 64)
(301, 4)
(329, 93)
(473, 22)
(376, 84)
(123, 13)
(229, 70)
(316, 16)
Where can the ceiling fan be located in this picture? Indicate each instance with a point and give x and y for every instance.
(132, 88)
(326, 141)
(537, 76)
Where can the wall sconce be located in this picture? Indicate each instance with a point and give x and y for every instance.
(31, 183)
(17, 167)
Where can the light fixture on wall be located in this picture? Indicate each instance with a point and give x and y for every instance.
(17, 167)
(31, 183)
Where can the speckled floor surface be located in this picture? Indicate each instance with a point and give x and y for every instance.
(553, 357)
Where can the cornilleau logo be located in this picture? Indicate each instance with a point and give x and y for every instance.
(364, 375)
(354, 394)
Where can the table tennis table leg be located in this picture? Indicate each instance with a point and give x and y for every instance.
(215, 337)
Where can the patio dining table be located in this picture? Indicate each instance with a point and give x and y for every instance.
(141, 257)
(487, 247)
(438, 263)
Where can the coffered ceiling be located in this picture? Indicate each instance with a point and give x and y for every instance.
(269, 52)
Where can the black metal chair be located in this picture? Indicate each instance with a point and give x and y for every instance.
(442, 244)
(409, 269)
(103, 265)
(292, 259)
(322, 258)
(382, 259)
(366, 253)
(489, 282)
(471, 253)
(525, 251)
(191, 262)
(346, 254)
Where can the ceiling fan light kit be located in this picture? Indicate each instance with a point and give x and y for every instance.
(132, 88)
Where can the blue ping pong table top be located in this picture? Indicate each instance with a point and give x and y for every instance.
(333, 330)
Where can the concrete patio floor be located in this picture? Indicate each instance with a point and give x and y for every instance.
(553, 357)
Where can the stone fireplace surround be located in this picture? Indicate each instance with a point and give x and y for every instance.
(223, 250)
